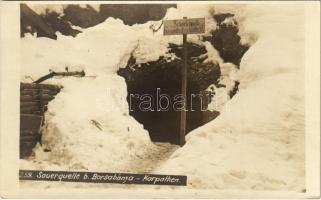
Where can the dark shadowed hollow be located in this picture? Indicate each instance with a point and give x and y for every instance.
(160, 78)
(163, 125)
(145, 78)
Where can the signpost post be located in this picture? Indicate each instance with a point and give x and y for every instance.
(178, 27)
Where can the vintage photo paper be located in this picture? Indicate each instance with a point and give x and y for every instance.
(160, 99)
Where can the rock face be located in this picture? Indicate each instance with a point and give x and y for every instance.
(226, 39)
(60, 24)
(135, 13)
(31, 22)
(82, 17)
(45, 25)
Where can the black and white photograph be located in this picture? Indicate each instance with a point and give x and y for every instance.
(178, 96)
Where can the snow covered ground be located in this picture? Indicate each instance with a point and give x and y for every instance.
(257, 143)
(70, 132)
(258, 140)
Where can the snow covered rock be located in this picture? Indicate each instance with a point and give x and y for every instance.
(70, 19)
(226, 38)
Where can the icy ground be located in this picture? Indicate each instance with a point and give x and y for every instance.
(152, 159)
(257, 143)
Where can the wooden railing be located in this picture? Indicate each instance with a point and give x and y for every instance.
(34, 99)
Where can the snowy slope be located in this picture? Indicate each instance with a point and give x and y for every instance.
(71, 134)
(257, 143)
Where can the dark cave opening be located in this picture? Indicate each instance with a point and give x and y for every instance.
(153, 101)
(146, 82)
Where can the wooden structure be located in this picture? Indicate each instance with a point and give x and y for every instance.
(183, 27)
(34, 99)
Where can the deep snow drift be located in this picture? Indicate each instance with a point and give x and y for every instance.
(70, 132)
(256, 143)
(258, 140)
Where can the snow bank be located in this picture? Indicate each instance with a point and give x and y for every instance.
(228, 78)
(257, 143)
(87, 125)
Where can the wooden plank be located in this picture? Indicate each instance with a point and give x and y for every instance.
(33, 102)
(28, 132)
(30, 108)
(30, 121)
(31, 113)
(31, 92)
(25, 152)
(28, 103)
(53, 74)
(26, 98)
(33, 107)
(41, 86)
(45, 97)
(29, 138)
(27, 144)
(37, 91)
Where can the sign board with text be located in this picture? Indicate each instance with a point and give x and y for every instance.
(184, 26)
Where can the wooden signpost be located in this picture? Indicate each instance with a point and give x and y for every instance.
(183, 27)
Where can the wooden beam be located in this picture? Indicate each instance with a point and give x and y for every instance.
(39, 86)
(44, 97)
(30, 122)
(37, 91)
(32, 108)
(182, 132)
(28, 103)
